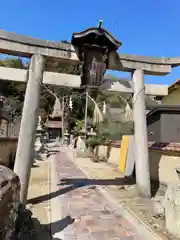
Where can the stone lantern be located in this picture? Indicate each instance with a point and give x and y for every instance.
(2, 99)
(39, 132)
(66, 138)
(91, 133)
(93, 47)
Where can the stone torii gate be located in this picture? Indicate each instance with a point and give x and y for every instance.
(94, 46)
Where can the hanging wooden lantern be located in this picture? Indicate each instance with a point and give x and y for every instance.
(93, 47)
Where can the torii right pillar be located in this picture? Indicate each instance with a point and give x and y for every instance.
(140, 135)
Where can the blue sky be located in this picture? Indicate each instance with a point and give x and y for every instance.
(150, 27)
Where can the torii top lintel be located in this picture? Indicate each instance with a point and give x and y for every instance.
(24, 46)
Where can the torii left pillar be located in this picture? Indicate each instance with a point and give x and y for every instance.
(27, 135)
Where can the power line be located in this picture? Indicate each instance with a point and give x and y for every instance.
(116, 17)
(115, 20)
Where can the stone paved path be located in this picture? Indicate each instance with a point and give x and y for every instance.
(86, 213)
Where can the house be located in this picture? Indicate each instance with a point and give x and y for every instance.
(163, 124)
(164, 120)
(54, 127)
(173, 96)
(54, 121)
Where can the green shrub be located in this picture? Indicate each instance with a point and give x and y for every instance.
(94, 141)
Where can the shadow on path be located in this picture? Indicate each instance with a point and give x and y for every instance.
(33, 229)
(60, 225)
(52, 152)
(48, 231)
(75, 183)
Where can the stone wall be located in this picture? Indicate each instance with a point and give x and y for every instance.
(111, 152)
(9, 202)
(163, 166)
(164, 159)
(7, 151)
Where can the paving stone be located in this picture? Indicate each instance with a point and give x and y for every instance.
(70, 237)
(84, 236)
(128, 238)
(94, 218)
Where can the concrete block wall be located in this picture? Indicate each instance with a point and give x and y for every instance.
(111, 152)
(163, 166)
(164, 159)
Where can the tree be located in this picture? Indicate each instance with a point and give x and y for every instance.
(14, 92)
(53, 66)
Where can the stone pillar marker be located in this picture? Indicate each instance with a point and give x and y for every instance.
(27, 135)
(140, 136)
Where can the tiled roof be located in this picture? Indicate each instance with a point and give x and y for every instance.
(167, 147)
(163, 108)
(57, 109)
(53, 124)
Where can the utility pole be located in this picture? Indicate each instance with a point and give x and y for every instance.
(85, 115)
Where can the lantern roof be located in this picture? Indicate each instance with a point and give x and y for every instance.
(95, 36)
